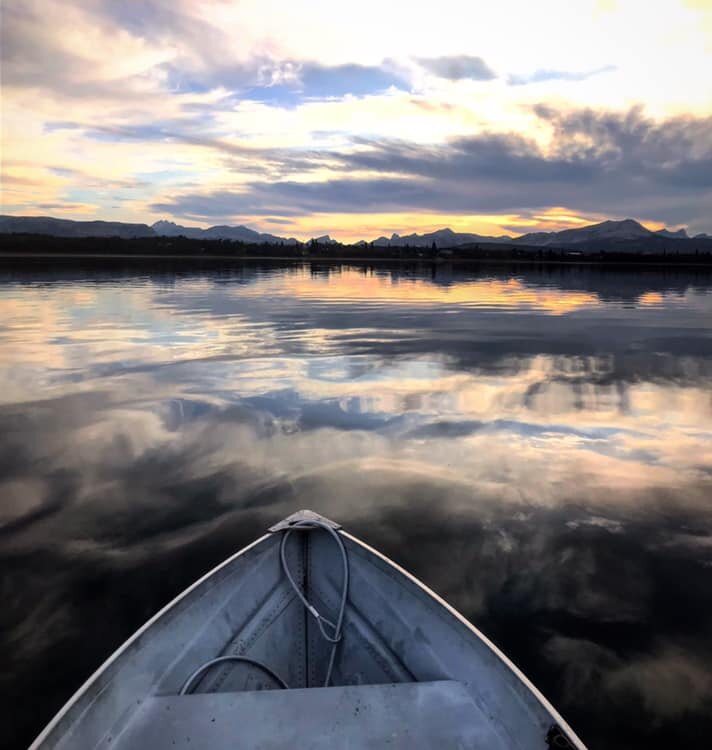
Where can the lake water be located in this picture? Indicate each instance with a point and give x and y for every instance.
(536, 445)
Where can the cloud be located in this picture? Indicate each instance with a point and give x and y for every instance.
(70, 51)
(471, 158)
(152, 19)
(165, 83)
(29, 53)
(540, 76)
(200, 52)
(57, 125)
(458, 67)
(193, 131)
(596, 162)
(89, 180)
(164, 46)
(273, 220)
(167, 46)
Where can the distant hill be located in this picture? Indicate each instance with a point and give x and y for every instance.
(628, 229)
(220, 232)
(69, 228)
(441, 237)
(627, 236)
(607, 232)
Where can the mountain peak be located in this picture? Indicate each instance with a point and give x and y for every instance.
(239, 233)
(622, 224)
(444, 237)
(680, 234)
(324, 240)
(610, 230)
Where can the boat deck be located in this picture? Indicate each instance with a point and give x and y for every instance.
(404, 715)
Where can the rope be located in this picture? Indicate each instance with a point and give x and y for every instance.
(336, 627)
(188, 684)
(335, 637)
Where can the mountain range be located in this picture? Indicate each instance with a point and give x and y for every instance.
(442, 238)
(628, 229)
(607, 234)
(220, 232)
(70, 228)
(613, 231)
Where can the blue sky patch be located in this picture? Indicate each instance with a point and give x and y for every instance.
(541, 76)
(316, 81)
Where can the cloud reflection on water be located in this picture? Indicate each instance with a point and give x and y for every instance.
(536, 447)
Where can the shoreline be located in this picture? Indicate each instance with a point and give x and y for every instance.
(234, 259)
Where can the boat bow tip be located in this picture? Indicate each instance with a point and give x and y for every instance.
(302, 515)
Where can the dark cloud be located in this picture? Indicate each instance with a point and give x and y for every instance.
(587, 146)
(273, 220)
(487, 156)
(292, 198)
(540, 76)
(601, 162)
(458, 67)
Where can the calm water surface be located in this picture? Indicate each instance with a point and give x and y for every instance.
(536, 446)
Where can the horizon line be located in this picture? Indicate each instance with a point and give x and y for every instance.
(406, 233)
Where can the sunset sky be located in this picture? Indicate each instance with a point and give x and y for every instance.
(359, 118)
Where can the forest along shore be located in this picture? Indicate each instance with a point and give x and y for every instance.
(696, 252)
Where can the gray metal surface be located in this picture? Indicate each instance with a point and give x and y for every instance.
(395, 631)
(302, 515)
(404, 716)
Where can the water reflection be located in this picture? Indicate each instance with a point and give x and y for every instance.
(534, 445)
